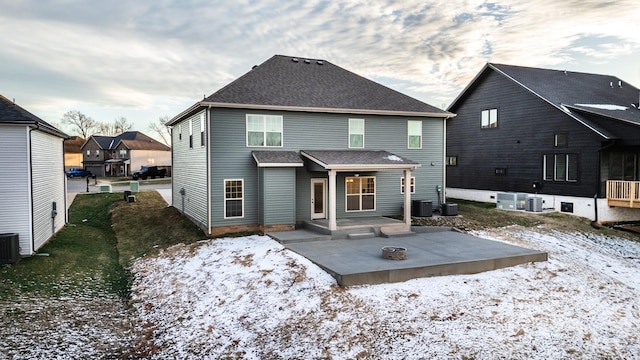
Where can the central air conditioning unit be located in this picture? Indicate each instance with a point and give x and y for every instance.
(511, 201)
(9, 248)
(534, 204)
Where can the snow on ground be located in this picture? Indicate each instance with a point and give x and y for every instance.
(65, 328)
(251, 298)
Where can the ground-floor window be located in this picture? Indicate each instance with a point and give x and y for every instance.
(233, 198)
(561, 167)
(361, 193)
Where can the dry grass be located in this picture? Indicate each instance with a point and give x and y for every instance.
(148, 225)
(485, 216)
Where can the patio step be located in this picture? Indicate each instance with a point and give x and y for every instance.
(396, 234)
(364, 235)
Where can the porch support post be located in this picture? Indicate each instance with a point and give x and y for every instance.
(407, 197)
(333, 224)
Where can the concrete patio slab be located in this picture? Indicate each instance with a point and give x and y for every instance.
(435, 253)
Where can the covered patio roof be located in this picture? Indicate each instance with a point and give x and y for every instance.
(350, 160)
(276, 158)
(335, 161)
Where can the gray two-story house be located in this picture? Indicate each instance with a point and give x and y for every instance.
(297, 140)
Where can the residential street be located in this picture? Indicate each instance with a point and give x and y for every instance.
(79, 186)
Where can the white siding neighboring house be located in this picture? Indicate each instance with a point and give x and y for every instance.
(32, 180)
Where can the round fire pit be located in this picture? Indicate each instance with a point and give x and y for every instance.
(394, 253)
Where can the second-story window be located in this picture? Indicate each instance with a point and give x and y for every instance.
(560, 140)
(356, 133)
(201, 129)
(190, 133)
(123, 153)
(264, 130)
(414, 134)
(489, 119)
(97, 153)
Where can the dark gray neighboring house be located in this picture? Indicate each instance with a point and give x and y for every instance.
(577, 135)
(298, 139)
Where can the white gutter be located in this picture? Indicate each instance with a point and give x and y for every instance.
(307, 109)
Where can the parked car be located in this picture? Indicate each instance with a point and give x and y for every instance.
(78, 172)
(149, 171)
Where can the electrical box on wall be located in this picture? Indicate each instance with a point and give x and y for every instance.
(566, 207)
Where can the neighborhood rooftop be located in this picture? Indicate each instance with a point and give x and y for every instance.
(133, 140)
(12, 113)
(303, 84)
(575, 93)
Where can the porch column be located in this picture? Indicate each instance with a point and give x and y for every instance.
(333, 224)
(407, 197)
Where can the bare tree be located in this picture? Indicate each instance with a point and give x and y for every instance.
(161, 129)
(81, 124)
(117, 127)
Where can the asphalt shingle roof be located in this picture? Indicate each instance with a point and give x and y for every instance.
(580, 95)
(332, 159)
(133, 140)
(312, 84)
(268, 158)
(577, 89)
(12, 113)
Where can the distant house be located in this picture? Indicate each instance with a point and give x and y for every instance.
(575, 135)
(32, 180)
(295, 140)
(122, 154)
(73, 152)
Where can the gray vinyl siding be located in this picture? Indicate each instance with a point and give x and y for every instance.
(189, 172)
(15, 184)
(231, 159)
(48, 181)
(277, 191)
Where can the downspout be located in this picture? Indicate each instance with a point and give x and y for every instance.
(209, 168)
(594, 223)
(444, 163)
(64, 177)
(31, 207)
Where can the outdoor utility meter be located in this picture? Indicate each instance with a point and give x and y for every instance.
(54, 210)
(439, 188)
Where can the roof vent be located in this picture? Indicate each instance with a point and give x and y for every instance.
(307, 61)
(619, 84)
(254, 66)
(320, 62)
(611, 84)
(295, 59)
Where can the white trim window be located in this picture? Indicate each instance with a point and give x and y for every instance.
(356, 133)
(190, 133)
(233, 198)
(264, 130)
(202, 129)
(489, 119)
(412, 187)
(360, 193)
(414, 134)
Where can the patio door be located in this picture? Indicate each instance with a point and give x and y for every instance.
(318, 199)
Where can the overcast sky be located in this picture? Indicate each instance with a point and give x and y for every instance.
(145, 59)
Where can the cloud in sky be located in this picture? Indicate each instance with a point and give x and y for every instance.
(146, 59)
